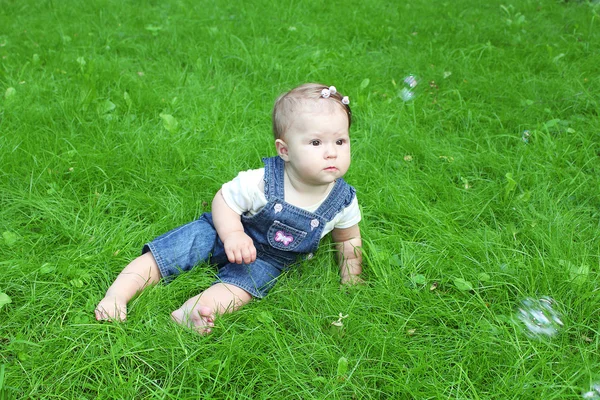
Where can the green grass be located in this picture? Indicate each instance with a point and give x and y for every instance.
(89, 171)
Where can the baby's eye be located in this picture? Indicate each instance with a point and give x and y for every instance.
(315, 142)
(340, 142)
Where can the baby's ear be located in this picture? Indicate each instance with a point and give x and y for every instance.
(282, 149)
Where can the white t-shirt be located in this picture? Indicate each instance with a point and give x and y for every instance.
(245, 195)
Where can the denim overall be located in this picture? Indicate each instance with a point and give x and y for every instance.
(281, 233)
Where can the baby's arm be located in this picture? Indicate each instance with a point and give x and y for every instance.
(348, 245)
(238, 246)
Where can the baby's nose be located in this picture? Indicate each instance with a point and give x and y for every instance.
(330, 151)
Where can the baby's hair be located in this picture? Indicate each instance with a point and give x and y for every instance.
(291, 102)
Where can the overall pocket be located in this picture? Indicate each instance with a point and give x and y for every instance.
(284, 237)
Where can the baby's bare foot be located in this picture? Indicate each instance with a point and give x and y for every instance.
(199, 318)
(111, 308)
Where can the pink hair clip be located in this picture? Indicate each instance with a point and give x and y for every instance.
(326, 93)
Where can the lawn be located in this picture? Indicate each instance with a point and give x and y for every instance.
(480, 192)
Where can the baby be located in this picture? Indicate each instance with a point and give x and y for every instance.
(264, 220)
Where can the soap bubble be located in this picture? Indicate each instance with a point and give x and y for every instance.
(406, 95)
(411, 81)
(409, 87)
(539, 317)
(593, 393)
(525, 136)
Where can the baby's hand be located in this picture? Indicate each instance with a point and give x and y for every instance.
(351, 280)
(239, 248)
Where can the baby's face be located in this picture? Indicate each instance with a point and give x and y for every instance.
(318, 144)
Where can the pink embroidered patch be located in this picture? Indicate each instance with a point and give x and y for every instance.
(280, 236)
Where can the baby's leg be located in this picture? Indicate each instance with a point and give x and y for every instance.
(141, 272)
(199, 312)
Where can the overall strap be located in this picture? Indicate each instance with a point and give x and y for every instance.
(339, 198)
(274, 188)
